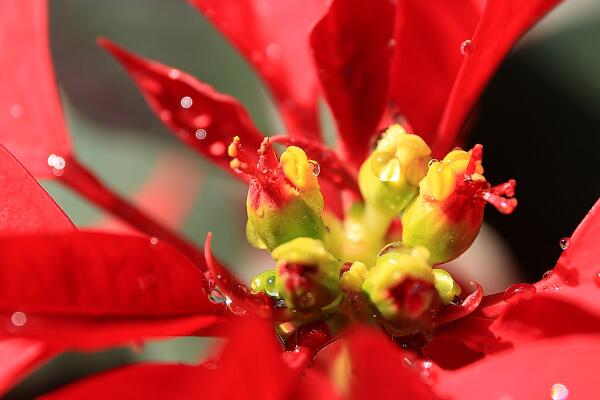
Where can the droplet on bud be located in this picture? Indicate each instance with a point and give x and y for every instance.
(559, 392)
(466, 47)
(564, 243)
(519, 291)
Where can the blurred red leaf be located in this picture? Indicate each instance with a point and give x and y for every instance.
(352, 50)
(198, 115)
(31, 120)
(273, 36)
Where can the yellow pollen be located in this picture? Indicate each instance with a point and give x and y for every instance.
(297, 168)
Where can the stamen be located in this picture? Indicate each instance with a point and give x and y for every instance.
(502, 204)
(506, 188)
(476, 157)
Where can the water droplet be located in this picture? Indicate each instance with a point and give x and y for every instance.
(519, 291)
(217, 149)
(17, 111)
(186, 102)
(154, 241)
(174, 73)
(564, 243)
(466, 47)
(18, 318)
(432, 161)
(559, 392)
(597, 279)
(316, 167)
(547, 274)
(217, 297)
(392, 43)
(273, 51)
(56, 162)
(147, 280)
(200, 134)
(396, 247)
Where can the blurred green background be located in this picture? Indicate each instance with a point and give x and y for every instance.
(538, 119)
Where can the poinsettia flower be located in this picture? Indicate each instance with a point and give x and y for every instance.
(67, 289)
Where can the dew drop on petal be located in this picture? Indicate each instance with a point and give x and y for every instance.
(217, 297)
(466, 47)
(547, 274)
(17, 111)
(174, 73)
(154, 241)
(217, 149)
(18, 318)
(56, 162)
(273, 51)
(518, 292)
(564, 243)
(200, 134)
(559, 392)
(186, 102)
(316, 167)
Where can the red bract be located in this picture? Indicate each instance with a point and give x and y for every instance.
(373, 61)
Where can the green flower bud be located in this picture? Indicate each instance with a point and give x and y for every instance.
(307, 276)
(448, 213)
(284, 202)
(389, 178)
(400, 285)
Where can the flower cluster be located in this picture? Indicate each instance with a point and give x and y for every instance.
(357, 304)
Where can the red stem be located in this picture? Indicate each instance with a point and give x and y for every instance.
(81, 180)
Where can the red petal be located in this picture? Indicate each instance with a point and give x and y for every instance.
(197, 114)
(67, 289)
(31, 119)
(144, 381)
(427, 57)
(379, 370)
(529, 373)
(273, 36)
(17, 356)
(25, 206)
(351, 45)
(501, 24)
(315, 386)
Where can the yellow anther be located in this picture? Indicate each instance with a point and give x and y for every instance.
(232, 149)
(353, 279)
(235, 163)
(446, 287)
(298, 169)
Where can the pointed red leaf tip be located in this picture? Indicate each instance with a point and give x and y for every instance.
(31, 120)
(352, 46)
(272, 35)
(25, 206)
(427, 57)
(502, 23)
(380, 370)
(557, 369)
(198, 115)
(17, 356)
(90, 290)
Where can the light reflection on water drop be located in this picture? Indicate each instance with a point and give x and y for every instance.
(466, 47)
(56, 162)
(18, 318)
(316, 167)
(564, 243)
(217, 149)
(154, 241)
(200, 134)
(559, 392)
(186, 102)
(518, 292)
(17, 111)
